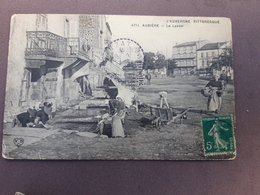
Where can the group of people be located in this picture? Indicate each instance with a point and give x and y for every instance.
(35, 117)
(117, 107)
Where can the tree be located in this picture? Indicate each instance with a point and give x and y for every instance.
(154, 61)
(160, 61)
(224, 59)
(171, 65)
(149, 60)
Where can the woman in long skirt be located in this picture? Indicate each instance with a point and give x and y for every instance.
(117, 126)
(215, 100)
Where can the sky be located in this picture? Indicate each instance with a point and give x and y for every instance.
(161, 33)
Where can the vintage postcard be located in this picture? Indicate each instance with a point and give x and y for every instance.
(111, 87)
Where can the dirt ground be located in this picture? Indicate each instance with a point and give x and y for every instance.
(180, 140)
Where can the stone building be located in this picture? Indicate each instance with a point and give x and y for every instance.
(209, 55)
(208, 52)
(54, 58)
(185, 55)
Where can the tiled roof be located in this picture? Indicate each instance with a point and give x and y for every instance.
(211, 46)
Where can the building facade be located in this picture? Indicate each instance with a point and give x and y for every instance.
(54, 58)
(185, 55)
(208, 53)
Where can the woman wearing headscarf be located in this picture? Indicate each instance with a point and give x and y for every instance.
(44, 114)
(215, 100)
(117, 119)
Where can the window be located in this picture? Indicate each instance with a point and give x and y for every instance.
(202, 55)
(191, 47)
(207, 54)
(184, 54)
(202, 63)
(178, 49)
(73, 29)
(213, 54)
(41, 22)
(184, 48)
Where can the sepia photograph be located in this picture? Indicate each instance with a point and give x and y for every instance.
(118, 87)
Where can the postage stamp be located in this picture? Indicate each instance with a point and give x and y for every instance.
(218, 135)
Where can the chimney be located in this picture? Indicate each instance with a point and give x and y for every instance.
(198, 44)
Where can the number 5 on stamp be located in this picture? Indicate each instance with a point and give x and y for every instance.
(218, 135)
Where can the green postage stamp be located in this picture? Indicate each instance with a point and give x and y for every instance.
(218, 135)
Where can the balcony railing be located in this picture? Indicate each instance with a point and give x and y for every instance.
(75, 48)
(44, 43)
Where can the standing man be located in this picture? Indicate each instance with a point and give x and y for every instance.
(149, 77)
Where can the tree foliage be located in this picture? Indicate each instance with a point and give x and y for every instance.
(149, 61)
(160, 61)
(224, 59)
(171, 65)
(154, 61)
